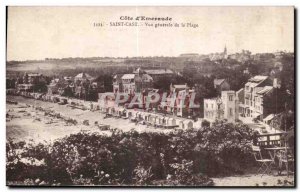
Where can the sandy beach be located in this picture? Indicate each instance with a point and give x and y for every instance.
(25, 123)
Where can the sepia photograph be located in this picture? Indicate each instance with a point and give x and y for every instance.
(150, 96)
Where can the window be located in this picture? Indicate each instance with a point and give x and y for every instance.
(230, 97)
(212, 106)
(230, 112)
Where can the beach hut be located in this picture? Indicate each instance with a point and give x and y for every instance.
(181, 124)
(171, 122)
(115, 111)
(121, 111)
(162, 120)
(129, 114)
(139, 116)
(198, 123)
(109, 110)
(55, 99)
(157, 120)
(147, 117)
(151, 119)
(187, 124)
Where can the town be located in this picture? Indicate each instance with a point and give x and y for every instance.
(214, 93)
(254, 102)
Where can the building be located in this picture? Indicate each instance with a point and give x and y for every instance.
(254, 93)
(242, 57)
(128, 83)
(219, 56)
(182, 103)
(178, 101)
(132, 83)
(156, 73)
(230, 106)
(86, 87)
(25, 87)
(221, 85)
(261, 95)
(212, 109)
(35, 78)
(32, 82)
(61, 86)
(224, 107)
(117, 83)
(240, 95)
(83, 77)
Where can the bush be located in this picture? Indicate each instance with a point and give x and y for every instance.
(205, 123)
(133, 158)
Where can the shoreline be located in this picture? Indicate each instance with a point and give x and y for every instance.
(29, 123)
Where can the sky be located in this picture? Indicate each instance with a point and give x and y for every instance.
(59, 32)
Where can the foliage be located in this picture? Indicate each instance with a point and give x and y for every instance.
(205, 123)
(142, 176)
(132, 158)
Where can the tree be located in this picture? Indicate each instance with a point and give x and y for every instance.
(288, 80)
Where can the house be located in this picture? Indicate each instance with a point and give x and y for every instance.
(132, 83)
(219, 56)
(128, 83)
(224, 107)
(242, 57)
(156, 73)
(25, 87)
(32, 82)
(106, 101)
(61, 86)
(212, 109)
(240, 95)
(268, 119)
(83, 77)
(221, 85)
(117, 83)
(254, 93)
(178, 100)
(33, 78)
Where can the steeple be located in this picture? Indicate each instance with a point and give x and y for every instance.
(225, 52)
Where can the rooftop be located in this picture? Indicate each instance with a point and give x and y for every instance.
(239, 91)
(158, 71)
(218, 81)
(258, 78)
(83, 76)
(265, 90)
(184, 86)
(128, 76)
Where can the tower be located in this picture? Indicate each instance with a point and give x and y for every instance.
(225, 52)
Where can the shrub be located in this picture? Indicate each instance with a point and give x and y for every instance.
(205, 123)
(134, 158)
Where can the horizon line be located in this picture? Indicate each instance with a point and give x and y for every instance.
(148, 56)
